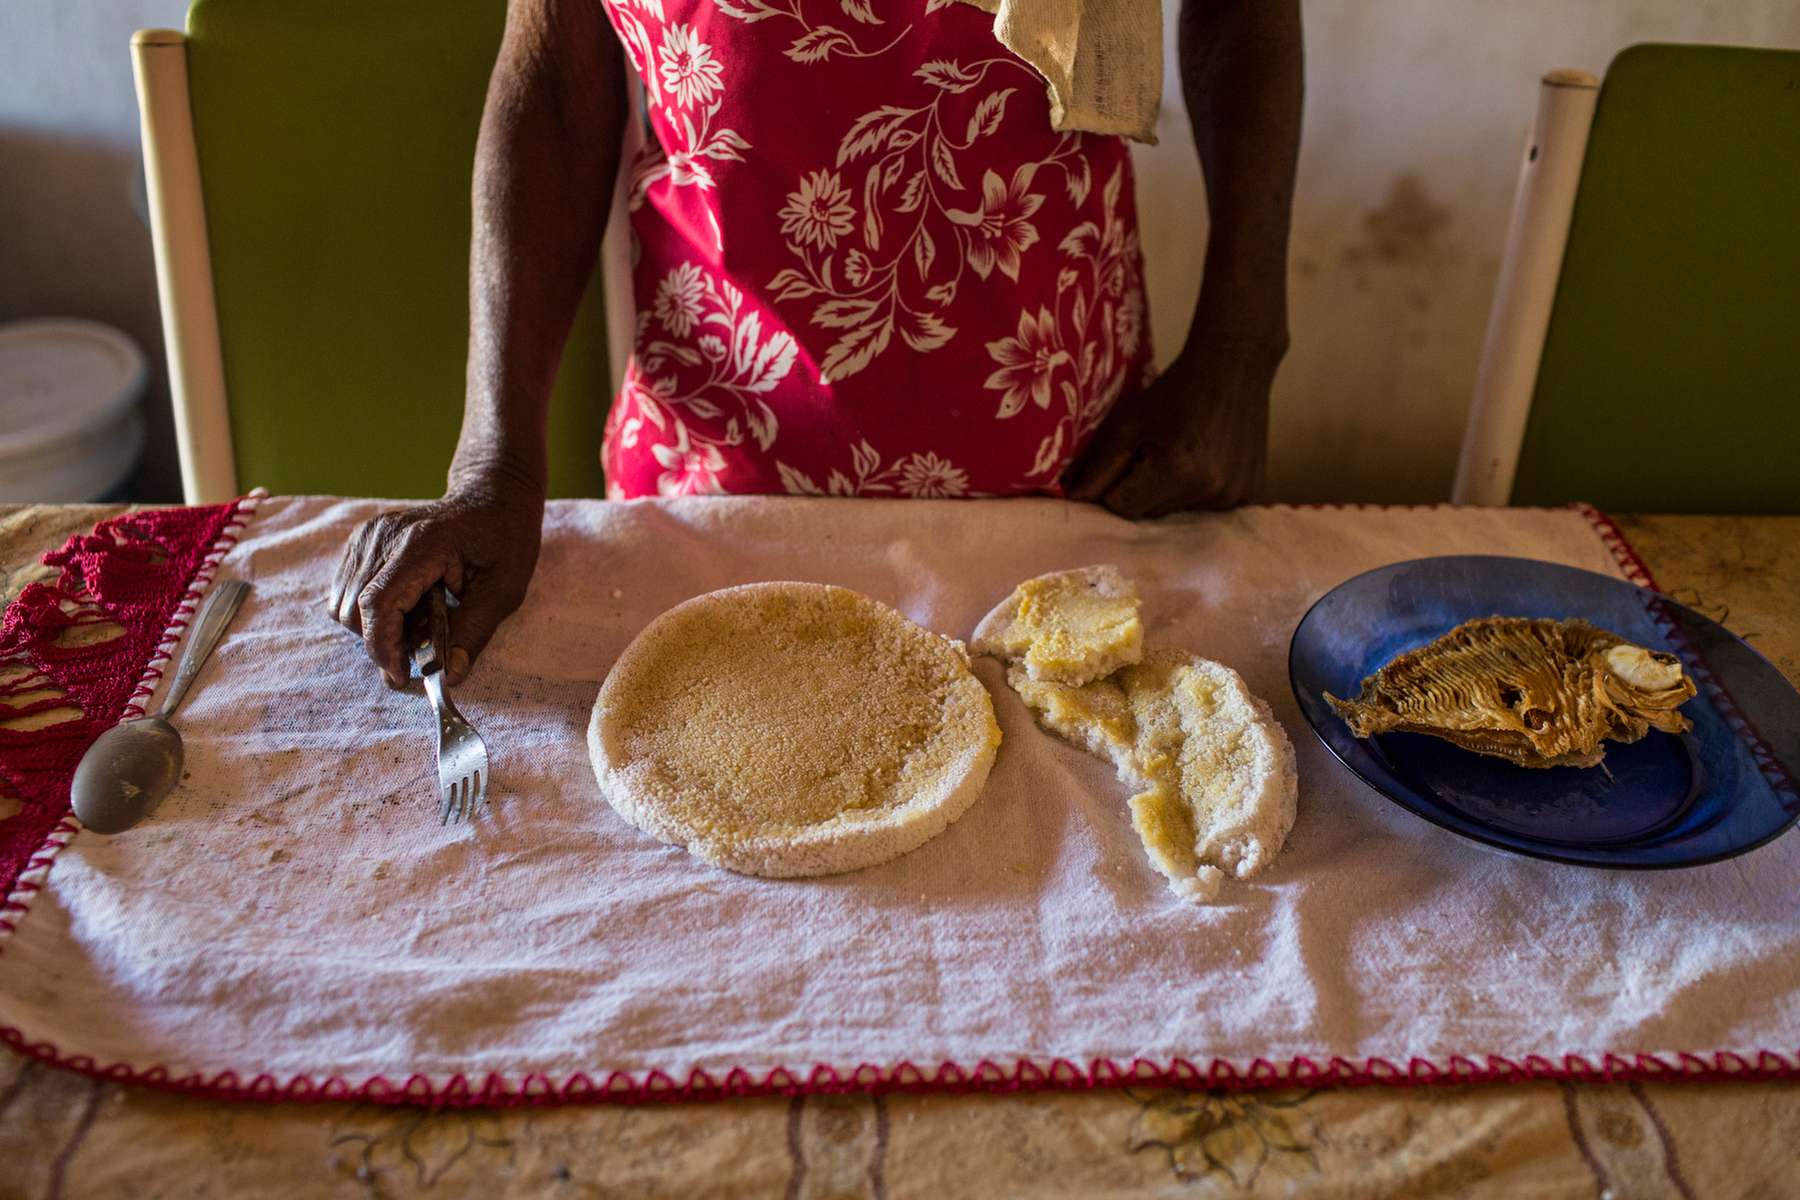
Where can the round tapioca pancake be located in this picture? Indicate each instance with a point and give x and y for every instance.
(789, 729)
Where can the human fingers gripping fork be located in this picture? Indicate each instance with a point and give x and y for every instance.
(483, 547)
(385, 570)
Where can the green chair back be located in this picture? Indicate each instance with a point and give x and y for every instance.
(1671, 376)
(336, 142)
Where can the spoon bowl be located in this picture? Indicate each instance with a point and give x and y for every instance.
(132, 766)
(125, 774)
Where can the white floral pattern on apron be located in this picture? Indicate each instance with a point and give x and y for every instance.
(865, 263)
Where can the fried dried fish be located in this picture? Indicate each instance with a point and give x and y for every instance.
(1538, 693)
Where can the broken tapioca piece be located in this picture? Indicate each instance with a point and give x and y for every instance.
(1068, 627)
(1214, 772)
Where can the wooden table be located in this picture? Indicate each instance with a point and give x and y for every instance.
(64, 1135)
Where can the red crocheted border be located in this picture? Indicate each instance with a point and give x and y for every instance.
(1024, 1075)
(1767, 761)
(144, 571)
(1635, 568)
(242, 511)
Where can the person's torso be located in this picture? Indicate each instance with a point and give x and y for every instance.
(864, 263)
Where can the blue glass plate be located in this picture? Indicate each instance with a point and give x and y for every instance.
(1725, 787)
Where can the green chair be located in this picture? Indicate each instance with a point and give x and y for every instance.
(309, 166)
(1644, 348)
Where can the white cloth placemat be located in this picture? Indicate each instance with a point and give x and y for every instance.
(295, 911)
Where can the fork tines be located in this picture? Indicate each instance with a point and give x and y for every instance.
(462, 797)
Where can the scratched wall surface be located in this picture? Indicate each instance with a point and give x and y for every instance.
(1416, 114)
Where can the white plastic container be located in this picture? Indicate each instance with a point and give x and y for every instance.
(71, 425)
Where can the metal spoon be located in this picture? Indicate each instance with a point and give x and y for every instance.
(132, 766)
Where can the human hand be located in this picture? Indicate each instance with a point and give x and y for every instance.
(481, 541)
(1197, 437)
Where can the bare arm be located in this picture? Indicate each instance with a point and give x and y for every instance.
(1241, 75)
(544, 168)
(1198, 438)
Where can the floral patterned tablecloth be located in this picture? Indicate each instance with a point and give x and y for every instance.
(63, 1135)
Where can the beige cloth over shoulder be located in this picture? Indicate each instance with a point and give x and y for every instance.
(1101, 59)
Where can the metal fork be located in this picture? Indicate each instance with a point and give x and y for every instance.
(461, 754)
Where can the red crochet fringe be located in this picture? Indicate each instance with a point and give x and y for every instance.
(147, 571)
(141, 572)
(1786, 787)
(1024, 1075)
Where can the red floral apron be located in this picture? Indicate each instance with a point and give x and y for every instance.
(864, 262)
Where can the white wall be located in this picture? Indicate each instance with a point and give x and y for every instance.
(71, 243)
(1416, 113)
